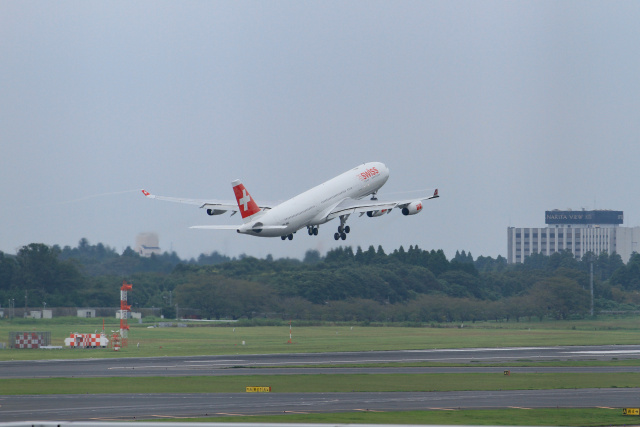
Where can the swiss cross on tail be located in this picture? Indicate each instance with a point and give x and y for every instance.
(247, 205)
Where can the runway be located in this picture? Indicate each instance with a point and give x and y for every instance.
(127, 407)
(281, 364)
(162, 406)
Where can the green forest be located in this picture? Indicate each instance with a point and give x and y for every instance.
(362, 285)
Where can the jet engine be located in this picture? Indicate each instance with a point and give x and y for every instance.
(215, 211)
(412, 208)
(371, 214)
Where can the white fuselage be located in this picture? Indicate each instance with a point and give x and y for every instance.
(312, 207)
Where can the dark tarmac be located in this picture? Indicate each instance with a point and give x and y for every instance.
(107, 407)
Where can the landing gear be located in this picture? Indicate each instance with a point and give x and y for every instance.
(290, 237)
(342, 229)
(313, 231)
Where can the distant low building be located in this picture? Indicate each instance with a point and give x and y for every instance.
(132, 315)
(580, 232)
(147, 244)
(86, 312)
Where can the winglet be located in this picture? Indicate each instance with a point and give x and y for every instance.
(145, 192)
(435, 195)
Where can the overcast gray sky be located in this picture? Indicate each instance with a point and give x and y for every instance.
(509, 108)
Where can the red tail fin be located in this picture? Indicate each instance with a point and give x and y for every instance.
(248, 206)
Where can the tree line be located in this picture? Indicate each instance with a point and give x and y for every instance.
(412, 285)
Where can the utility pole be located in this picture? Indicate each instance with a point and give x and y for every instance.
(591, 281)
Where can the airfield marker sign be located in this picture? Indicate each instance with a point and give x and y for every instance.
(258, 389)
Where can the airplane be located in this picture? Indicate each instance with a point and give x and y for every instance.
(339, 197)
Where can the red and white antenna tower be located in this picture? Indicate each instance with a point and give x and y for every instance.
(125, 311)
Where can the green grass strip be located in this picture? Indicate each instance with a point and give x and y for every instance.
(239, 340)
(320, 383)
(517, 417)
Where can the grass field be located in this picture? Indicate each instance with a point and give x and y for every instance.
(331, 383)
(236, 339)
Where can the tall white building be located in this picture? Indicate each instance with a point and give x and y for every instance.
(578, 231)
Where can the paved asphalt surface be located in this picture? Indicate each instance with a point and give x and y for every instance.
(160, 406)
(128, 407)
(285, 363)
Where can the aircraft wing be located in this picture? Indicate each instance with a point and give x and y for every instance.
(362, 206)
(214, 207)
(406, 202)
(216, 227)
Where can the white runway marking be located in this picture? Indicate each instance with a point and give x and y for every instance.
(603, 352)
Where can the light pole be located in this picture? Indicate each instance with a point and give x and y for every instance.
(591, 256)
(591, 284)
